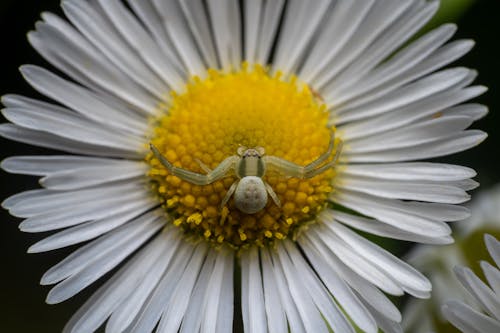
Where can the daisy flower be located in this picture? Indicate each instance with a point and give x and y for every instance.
(464, 317)
(223, 154)
(438, 264)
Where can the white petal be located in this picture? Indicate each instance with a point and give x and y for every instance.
(488, 300)
(44, 201)
(382, 15)
(176, 309)
(391, 39)
(405, 190)
(402, 62)
(308, 293)
(382, 210)
(381, 229)
(98, 30)
(87, 231)
(275, 310)
(216, 301)
(42, 165)
(493, 246)
(103, 302)
(72, 126)
(128, 310)
(427, 108)
(171, 18)
(446, 146)
(99, 248)
(469, 320)
(472, 110)
(269, 27)
(141, 42)
(386, 325)
(252, 292)
(92, 176)
(89, 211)
(275, 277)
(492, 275)
(194, 314)
(411, 171)
(95, 67)
(48, 140)
(339, 289)
(151, 19)
(151, 311)
(301, 19)
(403, 273)
(345, 18)
(408, 136)
(199, 25)
(425, 87)
(358, 264)
(226, 27)
(91, 271)
(360, 284)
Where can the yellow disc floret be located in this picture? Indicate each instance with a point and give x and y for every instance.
(209, 121)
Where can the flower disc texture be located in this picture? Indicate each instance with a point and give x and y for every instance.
(149, 71)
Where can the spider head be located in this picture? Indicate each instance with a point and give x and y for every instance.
(250, 152)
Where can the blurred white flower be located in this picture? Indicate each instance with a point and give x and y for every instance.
(463, 316)
(438, 264)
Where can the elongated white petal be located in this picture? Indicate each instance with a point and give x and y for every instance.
(406, 275)
(87, 231)
(95, 311)
(383, 211)
(381, 229)
(42, 165)
(252, 293)
(141, 42)
(48, 140)
(362, 286)
(300, 22)
(421, 191)
(275, 310)
(95, 270)
(411, 171)
(176, 309)
(152, 310)
(92, 176)
(342, 293)
(482, 293)
(469, 320)
(98, 248)
(276, 275)
(128, 310)
(357, 263)
(451, 144)
(492, 275)
(94, 26)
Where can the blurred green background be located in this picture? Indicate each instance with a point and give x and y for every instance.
(22, 307)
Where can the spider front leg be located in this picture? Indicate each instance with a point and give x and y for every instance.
(197, 178)
(294, 170)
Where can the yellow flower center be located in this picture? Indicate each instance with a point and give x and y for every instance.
(209, 121)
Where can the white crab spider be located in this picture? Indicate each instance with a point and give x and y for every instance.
(250, 165)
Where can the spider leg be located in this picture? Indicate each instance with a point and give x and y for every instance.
(229, 193)
(203, 165)
(294, 170)
(196, 178)
(273, 194)
(323, 157)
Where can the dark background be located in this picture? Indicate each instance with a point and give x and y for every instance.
(22, 307)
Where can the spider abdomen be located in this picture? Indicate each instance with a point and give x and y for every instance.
(250, 195)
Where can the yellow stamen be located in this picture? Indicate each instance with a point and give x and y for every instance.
(209, 121)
